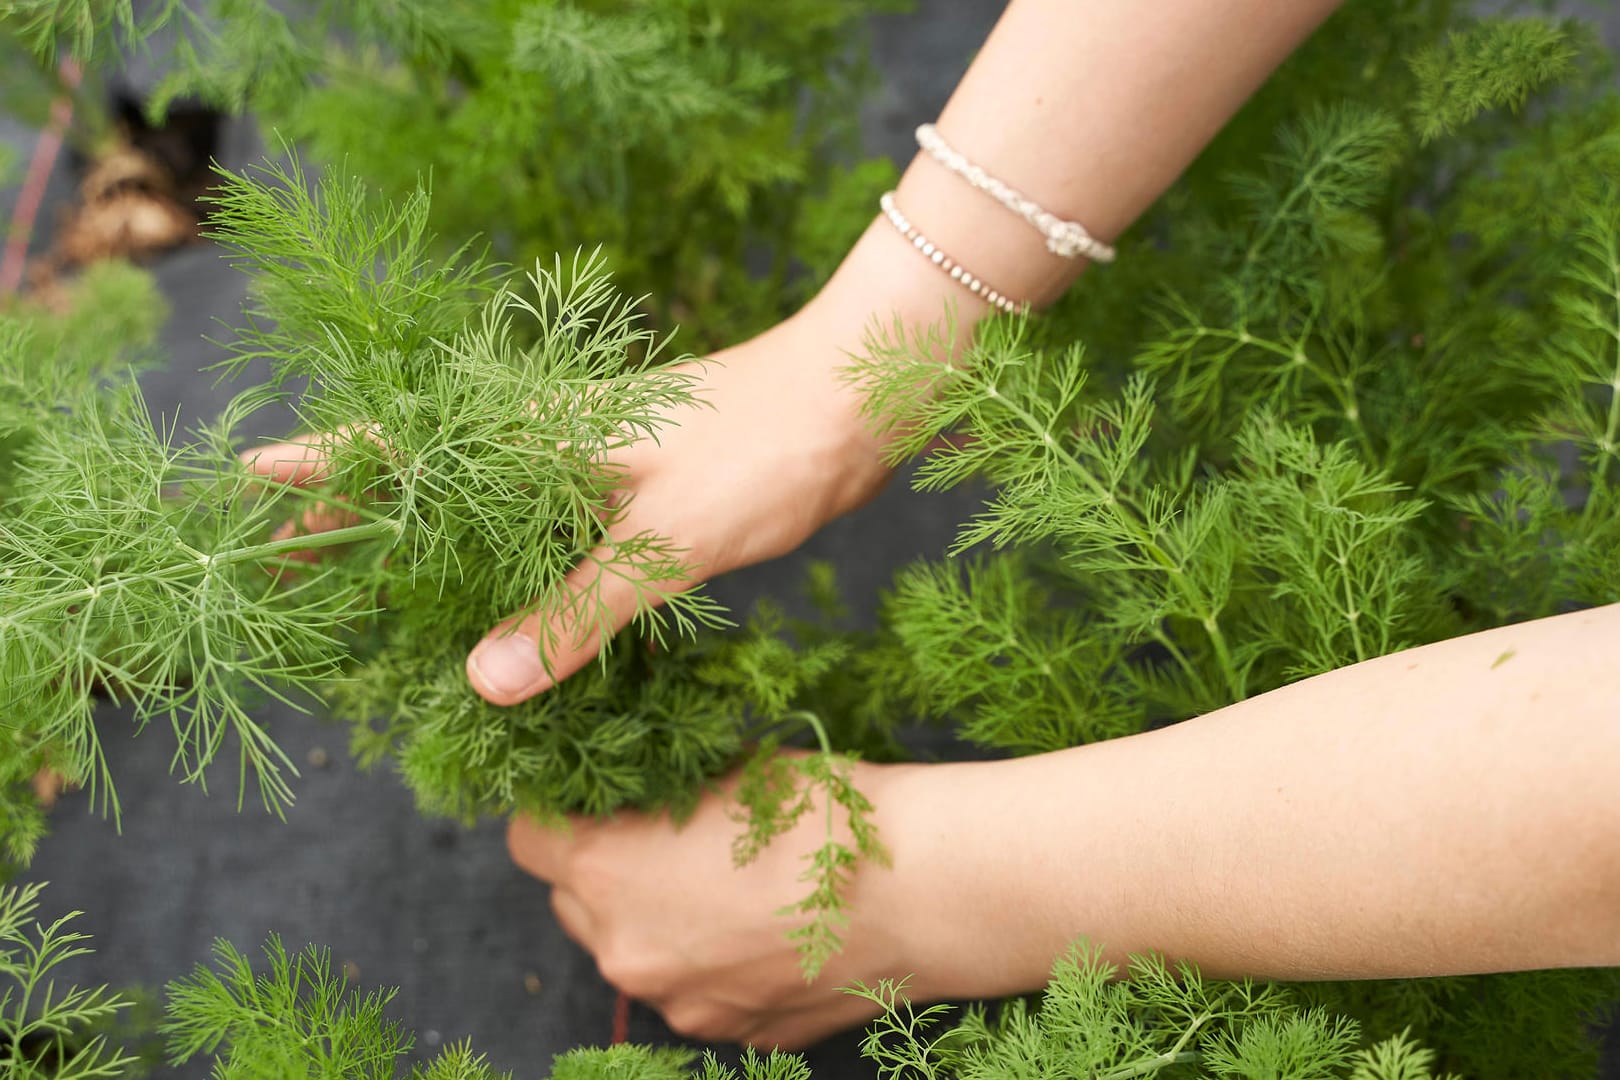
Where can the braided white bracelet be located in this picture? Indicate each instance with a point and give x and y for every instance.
(947, 264)
(1065, 238)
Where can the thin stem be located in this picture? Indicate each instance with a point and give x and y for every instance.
(1351, 614)
(203, 561)
(1295, 193)
(352, 534)
(40, 167)
(815, 725)
(1144, 539)
(1223, 655)
(1150, 1065)
(1341, 387)
(1175, 652)
(294, 491)
(1176, 1055)
(1613, 428)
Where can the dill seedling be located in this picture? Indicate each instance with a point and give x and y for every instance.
(47, 1032)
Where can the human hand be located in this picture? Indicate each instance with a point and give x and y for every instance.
(673, 922)
(773, 447)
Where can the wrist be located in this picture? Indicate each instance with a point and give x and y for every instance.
(817, 436)
(956, 906)
(1005, 252)
(884, 278)
(883, 288)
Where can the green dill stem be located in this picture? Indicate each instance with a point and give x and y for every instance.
(1132, 518)
(1176, 1055)
(1613, 428)
(302, 494)
(1304, 184)
(1151, 1065)
(1223, 656)
(815, 725)
(352, 534)
(811, 969)
(1351, 614)
(1014, 642)
(268, 550)
(17, 1051)
(1175, 652)
(1342, 389)
(1055, 682)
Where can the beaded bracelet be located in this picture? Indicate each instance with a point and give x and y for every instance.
(947, 264)
(1065, 238)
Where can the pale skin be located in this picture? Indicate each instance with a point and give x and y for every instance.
(1438, 811)
(1444, 810)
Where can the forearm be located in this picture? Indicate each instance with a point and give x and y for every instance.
(1446, 810)
(1090, 107)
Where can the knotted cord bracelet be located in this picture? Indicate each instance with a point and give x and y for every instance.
(1065, 238)
(947, 264)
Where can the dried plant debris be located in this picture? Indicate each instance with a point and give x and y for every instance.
(127, 209)
(139, 196)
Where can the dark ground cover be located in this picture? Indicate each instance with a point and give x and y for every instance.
(425, 905)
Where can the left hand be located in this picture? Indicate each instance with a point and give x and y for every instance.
(674, 923)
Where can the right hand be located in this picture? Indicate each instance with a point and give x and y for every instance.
(774, 447)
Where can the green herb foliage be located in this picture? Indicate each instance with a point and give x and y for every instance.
(296, 1017)
(683, 137)
(299, 1019)
(1353, 386)
(47, 1031)
(1362, 406)
(467, 416)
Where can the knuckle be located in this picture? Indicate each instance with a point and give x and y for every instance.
(545, 849)
(629, 971)
(699, 1019)
(590, 866)
(516, 843)
(572, 916)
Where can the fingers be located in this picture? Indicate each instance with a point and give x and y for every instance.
(599, 598)
(709, 1018)
(722, 1000)
(300, 460)
(804, 1027)
(574, 916)
(304, 459)
(541, 849)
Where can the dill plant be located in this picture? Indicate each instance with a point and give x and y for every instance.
(469, 411)
(293, 1015)
(697, 144)
(1369, 401)
(47, 1031)
(1353, 386)
(298, 1018)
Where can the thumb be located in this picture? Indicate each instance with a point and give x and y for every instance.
(524, 657)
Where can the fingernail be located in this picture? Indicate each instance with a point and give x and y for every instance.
(510, 665)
